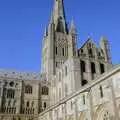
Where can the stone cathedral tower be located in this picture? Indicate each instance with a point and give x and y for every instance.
(59, 42)
(60, 46)
(72, 85)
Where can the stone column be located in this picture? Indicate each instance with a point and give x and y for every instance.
(97, 68)
(50, 114)
(76, 109)
(113, 99)
(65, 111)
(91, 103)
(88, 70)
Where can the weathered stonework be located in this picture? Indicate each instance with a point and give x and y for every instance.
(75, 83)
(22, 95)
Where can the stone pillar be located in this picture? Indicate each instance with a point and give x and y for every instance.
(114, 99)
(91, 103)
(50, 114)
(88, 70)
(65, 111)
(76, 110)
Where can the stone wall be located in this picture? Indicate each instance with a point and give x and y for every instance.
(99, 100)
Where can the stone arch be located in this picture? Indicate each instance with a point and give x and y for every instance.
(102, 113)
(83, 116)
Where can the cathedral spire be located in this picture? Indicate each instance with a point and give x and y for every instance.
(58, 16)
(72, 27)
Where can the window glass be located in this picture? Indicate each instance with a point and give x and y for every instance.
(93, 69)
(45, 90)
(28, 89)
(83, 66)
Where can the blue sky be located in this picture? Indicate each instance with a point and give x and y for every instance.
(22, 24)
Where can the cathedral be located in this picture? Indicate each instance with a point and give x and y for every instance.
(74, 84)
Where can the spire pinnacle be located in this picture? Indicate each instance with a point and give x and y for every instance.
(58, 16)
(72, 27)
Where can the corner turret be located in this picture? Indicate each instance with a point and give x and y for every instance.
(106, 49)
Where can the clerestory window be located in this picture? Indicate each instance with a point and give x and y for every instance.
(83, 66)
(10, 93)
(93, 69)
(45, 90)
(102, 68)
(28, 89)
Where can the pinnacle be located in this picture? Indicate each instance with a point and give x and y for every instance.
(72, 27)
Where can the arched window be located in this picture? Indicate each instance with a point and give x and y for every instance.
(83, 66)
(63, 52)
(28, 89)
(45, 105)
(102, 68)
(101, 92)
(10, 93)
(9, 102)
(14, 102)
(45, 90)
(27, 104)
(56, 50)
(90, 52)
(93, 69)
